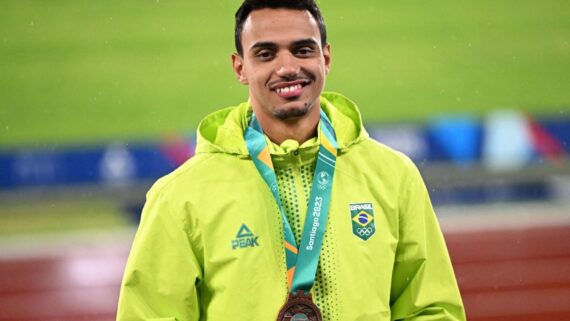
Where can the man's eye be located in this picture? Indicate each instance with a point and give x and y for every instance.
(305, 51)
(265, 54)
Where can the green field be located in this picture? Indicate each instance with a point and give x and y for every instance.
(91, 71)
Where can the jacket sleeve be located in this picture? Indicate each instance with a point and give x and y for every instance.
(162, 271)
(423, 283)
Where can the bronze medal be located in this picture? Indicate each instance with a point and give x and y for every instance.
(299, 307)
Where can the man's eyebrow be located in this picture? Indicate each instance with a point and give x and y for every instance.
(305, 42)
(296, 43)
(264, 44)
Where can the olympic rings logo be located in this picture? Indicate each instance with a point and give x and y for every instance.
(365, 231)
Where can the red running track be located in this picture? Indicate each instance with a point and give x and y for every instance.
(506, 275)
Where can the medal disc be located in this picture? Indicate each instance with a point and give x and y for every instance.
(299, 307)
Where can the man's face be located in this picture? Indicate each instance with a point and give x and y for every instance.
(283, 62)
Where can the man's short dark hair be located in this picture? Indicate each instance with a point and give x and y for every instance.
(250, 5)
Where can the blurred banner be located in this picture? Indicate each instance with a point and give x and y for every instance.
(113, 164)
(505, 141)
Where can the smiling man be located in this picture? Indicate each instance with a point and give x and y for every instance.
(288, 211)
(284, 60)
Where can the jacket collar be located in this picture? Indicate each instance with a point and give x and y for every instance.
(222, 131)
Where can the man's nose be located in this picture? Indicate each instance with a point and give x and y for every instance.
(287, 65)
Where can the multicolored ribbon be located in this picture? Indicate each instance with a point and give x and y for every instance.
(301, 261)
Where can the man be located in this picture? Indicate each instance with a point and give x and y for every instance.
(288, 211)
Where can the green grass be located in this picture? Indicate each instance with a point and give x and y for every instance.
(90, 71)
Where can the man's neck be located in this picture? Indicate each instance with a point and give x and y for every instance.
(299, 129)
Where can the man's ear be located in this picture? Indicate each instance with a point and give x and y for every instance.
(327, 57)
(237, 65)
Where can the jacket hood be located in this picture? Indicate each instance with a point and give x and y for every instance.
(223, 130)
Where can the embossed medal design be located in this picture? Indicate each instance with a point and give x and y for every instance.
(299, 307)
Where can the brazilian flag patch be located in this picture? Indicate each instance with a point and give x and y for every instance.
(362, 215)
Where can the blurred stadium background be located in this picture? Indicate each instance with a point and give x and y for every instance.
(99, 98)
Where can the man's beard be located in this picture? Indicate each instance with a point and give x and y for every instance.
(292, 113)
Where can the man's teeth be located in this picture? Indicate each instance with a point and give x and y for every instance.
(285, 90)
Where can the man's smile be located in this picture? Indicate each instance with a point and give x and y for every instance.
(289, 89)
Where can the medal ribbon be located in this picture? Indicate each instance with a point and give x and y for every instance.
(301, 261)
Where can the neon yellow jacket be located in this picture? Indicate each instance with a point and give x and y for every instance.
(210, 245)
